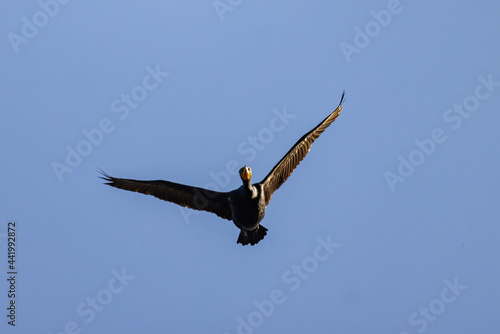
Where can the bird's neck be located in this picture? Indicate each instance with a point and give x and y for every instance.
(249, 188)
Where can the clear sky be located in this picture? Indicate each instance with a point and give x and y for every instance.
(390, 225)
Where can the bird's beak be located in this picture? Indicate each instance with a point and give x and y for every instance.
(246, 174)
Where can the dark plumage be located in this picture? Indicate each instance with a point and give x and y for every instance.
(246, 205)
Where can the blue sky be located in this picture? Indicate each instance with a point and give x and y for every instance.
(390, 224)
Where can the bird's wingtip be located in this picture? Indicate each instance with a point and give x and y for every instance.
(105, 176)
(342, 99)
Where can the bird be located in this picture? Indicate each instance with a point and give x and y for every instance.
(246, 205)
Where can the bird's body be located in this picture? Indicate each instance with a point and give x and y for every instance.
(246, 205)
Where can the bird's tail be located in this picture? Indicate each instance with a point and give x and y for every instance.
(252, 237)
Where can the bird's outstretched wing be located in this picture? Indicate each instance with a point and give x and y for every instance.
(292, 159)
(187, 196)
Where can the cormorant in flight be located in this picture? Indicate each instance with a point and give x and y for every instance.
(246, 205)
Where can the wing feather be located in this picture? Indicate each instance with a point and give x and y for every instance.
(284, 168)
(187, 196)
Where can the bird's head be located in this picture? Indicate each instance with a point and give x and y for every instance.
(245, 173)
